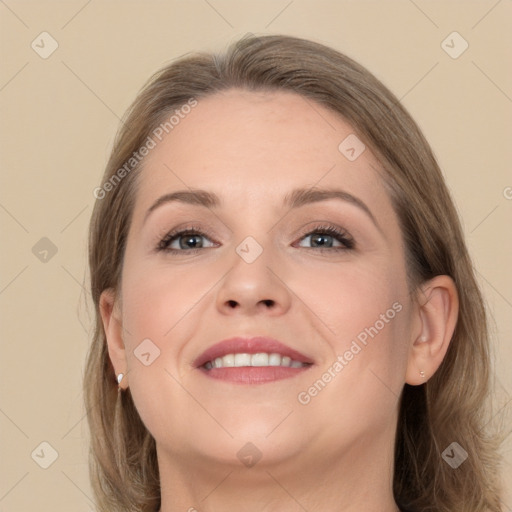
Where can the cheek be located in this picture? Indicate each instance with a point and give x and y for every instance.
(348, 298)
(357, 389)
(156, 298)
(359, 385)
(161, 307)
(363, 310)
(157, 306)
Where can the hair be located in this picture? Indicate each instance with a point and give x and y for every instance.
(453, 405)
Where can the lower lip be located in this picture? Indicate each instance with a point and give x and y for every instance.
(253, 374)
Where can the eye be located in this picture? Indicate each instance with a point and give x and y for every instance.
(326, 237)
(185, 240)
(191, 239)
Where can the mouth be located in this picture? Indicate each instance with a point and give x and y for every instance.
(254, 360)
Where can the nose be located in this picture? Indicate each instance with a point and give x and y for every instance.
(253, 288)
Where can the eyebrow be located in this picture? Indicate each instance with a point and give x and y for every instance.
(295, 199)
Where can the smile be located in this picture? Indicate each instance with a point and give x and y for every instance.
(255, 360)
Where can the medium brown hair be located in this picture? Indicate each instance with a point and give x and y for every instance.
(453, 406)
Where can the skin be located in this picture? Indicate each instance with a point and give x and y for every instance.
(336, 451)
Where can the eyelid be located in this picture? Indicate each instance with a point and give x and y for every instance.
(320, 225)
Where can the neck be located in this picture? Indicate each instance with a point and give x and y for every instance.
(355, 478)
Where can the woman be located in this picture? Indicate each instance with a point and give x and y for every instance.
(286, 313)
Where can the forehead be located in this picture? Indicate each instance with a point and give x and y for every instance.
(256, 146)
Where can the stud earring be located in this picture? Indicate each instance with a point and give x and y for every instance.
(119, 378)
(422, 373)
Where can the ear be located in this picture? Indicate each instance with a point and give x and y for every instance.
(438, 309)
(112, 324)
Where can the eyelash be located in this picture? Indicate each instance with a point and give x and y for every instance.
(339, 234)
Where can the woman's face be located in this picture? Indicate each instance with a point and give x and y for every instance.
(258, 265)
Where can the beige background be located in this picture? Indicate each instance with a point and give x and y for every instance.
(59, 118)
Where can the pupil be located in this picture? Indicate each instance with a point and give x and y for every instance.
(322, 240)
(190, 239)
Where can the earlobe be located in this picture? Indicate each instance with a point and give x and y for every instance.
(112, 325)
(438, 307)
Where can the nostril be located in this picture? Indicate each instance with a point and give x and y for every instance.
(267, 302)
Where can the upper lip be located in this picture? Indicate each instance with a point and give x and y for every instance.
(253, 345)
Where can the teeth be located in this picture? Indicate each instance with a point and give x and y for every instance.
(259, 359)
(228, 360)
(274, 360)
(240, 359)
